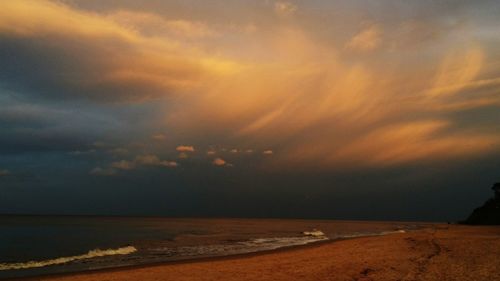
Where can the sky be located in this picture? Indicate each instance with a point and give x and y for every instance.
(376, 110)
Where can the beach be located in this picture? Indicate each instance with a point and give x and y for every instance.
(442, 252)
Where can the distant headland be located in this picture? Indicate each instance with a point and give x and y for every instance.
(489, 213)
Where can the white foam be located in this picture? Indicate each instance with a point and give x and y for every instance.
(248, 246)
(314, 233)
(91, 254)
(393, 232)
(279, 242)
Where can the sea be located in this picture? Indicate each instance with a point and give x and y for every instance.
(41, 245)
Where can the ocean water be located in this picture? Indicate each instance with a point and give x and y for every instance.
(37, 245)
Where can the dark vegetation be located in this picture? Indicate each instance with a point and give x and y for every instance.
(489, 213)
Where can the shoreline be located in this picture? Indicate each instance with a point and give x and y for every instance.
(440, 252)
(136, 261)
(188, 260)
(204, 259)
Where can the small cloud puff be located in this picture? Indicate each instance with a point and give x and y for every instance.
(234, 150)
(185, 148)
(283, 8)
(211, 152)
(183, 155)
(123, 165)
(221, 162)
(170, 164)
(98, 171)
(267, 152)
(153, 160)
(141, 160)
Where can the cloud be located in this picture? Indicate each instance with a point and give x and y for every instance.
(395, 144)
(234, 150)
(185, 148)
(29, 126)
(140, 160)
(211, 152)
(221, 162)
(153, 160)
(183, 155)
(267, 152)
(283, 8)
(367, 39)
(319, 97)
(4, 173)
(148, 23)
(98, 171)
(123, 165)
(322, 104)
(84, 55)
(457, 71)
(170, 164)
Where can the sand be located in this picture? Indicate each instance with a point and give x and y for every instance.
(439, 253)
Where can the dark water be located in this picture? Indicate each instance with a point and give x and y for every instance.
(44, 245)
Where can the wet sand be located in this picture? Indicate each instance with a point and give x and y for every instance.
(439, 253)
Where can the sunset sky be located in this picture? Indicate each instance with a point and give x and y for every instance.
(319, 109)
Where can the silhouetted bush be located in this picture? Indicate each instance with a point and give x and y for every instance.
(489, 213)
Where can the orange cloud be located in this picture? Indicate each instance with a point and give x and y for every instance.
(153, 160)
(119, 60)
(283, 8)
(337, 113)
(185, 148)
(456, 71)
(368, 39)
(141, 160)
(314, 93)
(152, 23)
(220, 162)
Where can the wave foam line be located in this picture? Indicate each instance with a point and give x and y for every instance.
(91, 254)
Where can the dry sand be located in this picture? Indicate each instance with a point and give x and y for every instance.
(440, 253)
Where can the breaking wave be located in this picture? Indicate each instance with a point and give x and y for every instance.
(187, 252)
(275, 243)
(365, 234)
(91, 254)
(241, 247)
